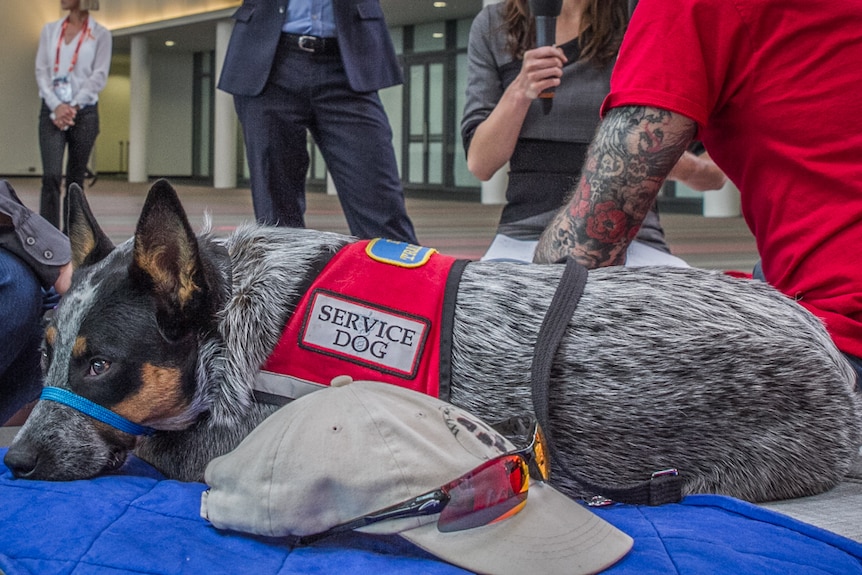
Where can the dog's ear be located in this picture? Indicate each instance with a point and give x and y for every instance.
(167, 260)
(88, 242)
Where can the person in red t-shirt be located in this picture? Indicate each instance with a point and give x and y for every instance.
(772, 89)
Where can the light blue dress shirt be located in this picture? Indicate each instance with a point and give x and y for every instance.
(312, 17)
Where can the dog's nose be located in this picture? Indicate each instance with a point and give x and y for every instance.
(21, 460)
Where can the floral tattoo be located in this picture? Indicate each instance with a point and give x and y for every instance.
(627, 162)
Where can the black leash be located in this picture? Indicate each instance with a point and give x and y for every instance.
(662, 486)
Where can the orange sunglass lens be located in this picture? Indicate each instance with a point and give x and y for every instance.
(540, 455)
(494, 491)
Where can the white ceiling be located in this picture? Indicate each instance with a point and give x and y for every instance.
(401, 12)
(198, 34)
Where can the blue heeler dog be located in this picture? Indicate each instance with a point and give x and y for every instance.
(736, 386)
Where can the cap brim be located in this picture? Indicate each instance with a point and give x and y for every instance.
(552, 535)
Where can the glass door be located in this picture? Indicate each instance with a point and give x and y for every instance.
(426, 157)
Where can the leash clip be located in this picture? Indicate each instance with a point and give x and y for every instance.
(598, 501)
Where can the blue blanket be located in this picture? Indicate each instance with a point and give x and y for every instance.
(137, 522)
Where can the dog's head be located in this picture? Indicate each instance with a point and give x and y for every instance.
(126, 338)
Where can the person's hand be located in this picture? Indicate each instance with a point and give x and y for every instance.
(542, 69)
(64, 116)
(697, 172)
(64, 280)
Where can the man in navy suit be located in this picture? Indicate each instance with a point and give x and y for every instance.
(317, 65)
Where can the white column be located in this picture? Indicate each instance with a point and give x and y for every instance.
(723, 202)
(139, 112)
(224, 144)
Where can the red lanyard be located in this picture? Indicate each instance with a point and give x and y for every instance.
(84, 31)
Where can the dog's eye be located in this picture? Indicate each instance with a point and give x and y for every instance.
(99, 366)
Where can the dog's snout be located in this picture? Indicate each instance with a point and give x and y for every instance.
(21, 460)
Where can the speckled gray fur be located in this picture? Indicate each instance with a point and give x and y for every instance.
(725, 379)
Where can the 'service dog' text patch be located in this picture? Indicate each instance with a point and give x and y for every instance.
(364, 333)
(379, 310)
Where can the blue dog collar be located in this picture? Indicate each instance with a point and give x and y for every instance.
(95, 411)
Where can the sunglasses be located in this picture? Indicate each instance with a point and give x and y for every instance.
(492, 492)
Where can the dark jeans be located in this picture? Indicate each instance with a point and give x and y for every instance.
(308, 92)
(20, 334)
(52, 143)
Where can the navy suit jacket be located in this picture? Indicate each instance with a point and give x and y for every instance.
(366, 48)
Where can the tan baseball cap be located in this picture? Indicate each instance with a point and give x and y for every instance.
(349, 451)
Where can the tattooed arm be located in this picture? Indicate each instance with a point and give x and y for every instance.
(628, 160)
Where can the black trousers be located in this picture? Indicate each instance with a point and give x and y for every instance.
(309, 92)
(53, 142)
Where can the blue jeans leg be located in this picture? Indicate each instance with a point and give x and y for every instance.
(757, 272)
(21, 334)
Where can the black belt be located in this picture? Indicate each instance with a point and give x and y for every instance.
(311, 44)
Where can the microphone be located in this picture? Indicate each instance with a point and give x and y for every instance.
(545, 13)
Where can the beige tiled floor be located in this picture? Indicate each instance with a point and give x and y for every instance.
(462, 229)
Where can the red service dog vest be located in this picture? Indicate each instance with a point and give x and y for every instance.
(374, 312)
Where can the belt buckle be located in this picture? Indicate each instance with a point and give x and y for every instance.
(307, 43)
